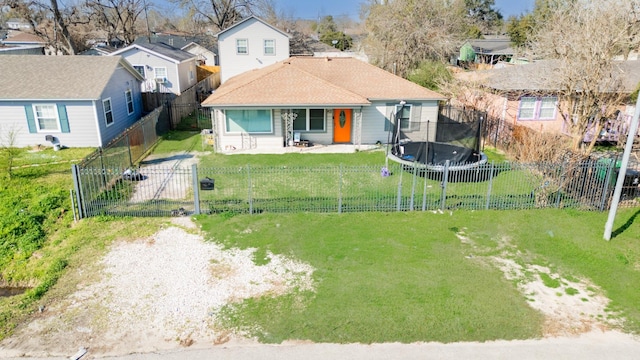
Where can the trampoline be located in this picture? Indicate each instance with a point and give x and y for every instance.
(454, 138)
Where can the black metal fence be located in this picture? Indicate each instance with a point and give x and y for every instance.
(183, 190)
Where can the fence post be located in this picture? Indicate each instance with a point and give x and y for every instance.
(562, 177)
(249, 194)
(196, 189)
(413, 185)
(340, 191)
(104, 171)
(605, 186)
(129, 148)
(424, 191)
(399, 200)
(445, 179)
(490, 187)
(76, 185)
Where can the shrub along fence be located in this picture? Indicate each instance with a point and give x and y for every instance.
(162, 191)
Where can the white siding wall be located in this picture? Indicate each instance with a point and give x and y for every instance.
(375, 116)
(81, 124)
(235, 141)
(183, 71)
(138, 57)
(255, 32)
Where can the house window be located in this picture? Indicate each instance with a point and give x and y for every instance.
(128, 96)
(537, 108)
(108, 113)
(249, 121)
(309, 120)
(269, 47)
(140, 70)
(191, 77)
(403, 116)
(242, 46)
(46, 117)
(160, 74)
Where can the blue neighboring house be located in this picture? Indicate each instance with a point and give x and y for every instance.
(71, 101)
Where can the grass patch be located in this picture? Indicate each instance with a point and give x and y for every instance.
(175, 141)
(548, 281)
(54, 272)
(381, 278)
(405, 276)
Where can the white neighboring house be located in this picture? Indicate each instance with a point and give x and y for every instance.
(250, 44)
(165, 68)
(18, 24)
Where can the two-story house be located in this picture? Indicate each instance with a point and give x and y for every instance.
(250, 44)
(166, 69)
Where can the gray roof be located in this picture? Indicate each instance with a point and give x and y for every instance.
(257, 19)
(164, 50)
(32, 77)
(492, 46)
(539, 76)
(179, 41)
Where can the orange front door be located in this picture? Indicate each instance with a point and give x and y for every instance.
(341, 125)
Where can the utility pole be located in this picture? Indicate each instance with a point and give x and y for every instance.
(633, 130)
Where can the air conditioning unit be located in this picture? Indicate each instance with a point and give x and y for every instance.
(161, 80)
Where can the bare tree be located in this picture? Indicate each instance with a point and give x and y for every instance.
(402, 33)
(585, 37)
(224, 13)
(51, 21)
(118, 18)
(8, 149)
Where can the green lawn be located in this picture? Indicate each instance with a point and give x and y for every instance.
(406, 276)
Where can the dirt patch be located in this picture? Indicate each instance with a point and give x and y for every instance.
(571, 306)
(156, 294)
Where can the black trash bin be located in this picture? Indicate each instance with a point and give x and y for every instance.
(206, 184)
(630, 184)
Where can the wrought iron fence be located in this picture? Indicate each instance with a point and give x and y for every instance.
(179, 190)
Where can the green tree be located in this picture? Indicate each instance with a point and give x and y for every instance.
(520, 29)
(402, 33)
(430, 74)
(329, 34)
(482, 15)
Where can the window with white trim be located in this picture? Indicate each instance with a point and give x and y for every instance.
(269, 47)
(140, 70)
(242, 46)
(403, 116)
(46, 116)
(128, 96)
(160, 74)
(255, 121)
(191, 77)
(309, 120)
(537, 108)
(108, 112)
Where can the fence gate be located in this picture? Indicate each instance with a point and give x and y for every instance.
(156, 189)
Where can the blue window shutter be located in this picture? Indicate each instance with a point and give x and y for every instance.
(31, 120)
(64, 120)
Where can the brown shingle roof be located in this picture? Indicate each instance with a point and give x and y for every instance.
(316, 81)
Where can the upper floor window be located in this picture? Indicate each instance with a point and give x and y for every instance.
(160, 74)
(242, 46)
(269, 47)
(537, 108)
(139, 69)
